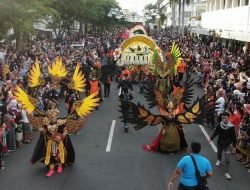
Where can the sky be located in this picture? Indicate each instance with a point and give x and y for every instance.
(135, 5)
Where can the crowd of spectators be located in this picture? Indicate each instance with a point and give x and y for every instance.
(223, 72)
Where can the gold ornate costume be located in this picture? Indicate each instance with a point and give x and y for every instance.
(54, 130)
(173, 104)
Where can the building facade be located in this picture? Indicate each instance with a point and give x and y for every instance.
(230, 19)
(192, 12)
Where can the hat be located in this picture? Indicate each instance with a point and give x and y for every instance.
(247, 108)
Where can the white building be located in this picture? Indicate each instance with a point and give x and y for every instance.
(230, 19)
(192, 12)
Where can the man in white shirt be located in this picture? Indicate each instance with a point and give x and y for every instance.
(220, 103)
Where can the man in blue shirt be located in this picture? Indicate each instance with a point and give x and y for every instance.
(186, 169)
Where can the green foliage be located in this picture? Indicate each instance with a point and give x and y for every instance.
(84, 11)
(21, 16)
(95, 12)
(155, 57)
(150, 6)
(173, 2)
(59, 15)
(147, 12)
(163, 17)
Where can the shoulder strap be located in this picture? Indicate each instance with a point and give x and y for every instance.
(197, 172)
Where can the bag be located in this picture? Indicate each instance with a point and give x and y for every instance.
(202, 181)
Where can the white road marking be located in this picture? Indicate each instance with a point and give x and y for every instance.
(207, 136)
(111, 133)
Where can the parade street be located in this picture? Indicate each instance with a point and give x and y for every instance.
(109, 159)
(124, 95)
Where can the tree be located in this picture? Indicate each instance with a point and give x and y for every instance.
(59, 15)
(67, 11)
(179, 17)
(107, 5)
(150, 6)
(20, 15)
(163, 17)
(173, 5)
(187, 2)
(95, 13)
(149, 9)
(86, 12)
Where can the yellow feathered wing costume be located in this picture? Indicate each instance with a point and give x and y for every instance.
(82, 108)
(78, 81)
(35, 76)
(25, 100)
(87, 105)
(57, 69)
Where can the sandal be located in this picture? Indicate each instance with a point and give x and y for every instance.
(247, 166)
(245, 163)
(238, 155)
(239, 158)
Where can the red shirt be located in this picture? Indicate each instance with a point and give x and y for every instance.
(181, 68)
(235, 119)
(94, 87)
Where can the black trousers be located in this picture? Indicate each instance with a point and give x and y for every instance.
(1, 150)
(183, 187)
(210, 119)
(106, 90)
(180, 76)
(226, 150)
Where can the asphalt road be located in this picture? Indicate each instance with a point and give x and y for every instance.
(126, 167)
